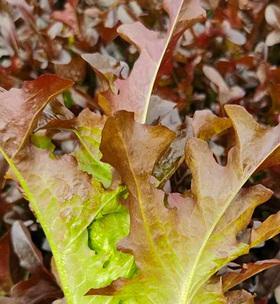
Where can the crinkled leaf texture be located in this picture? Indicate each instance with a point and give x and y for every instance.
(66, 202)
(180, 242)
(88, 128)
(71, 205)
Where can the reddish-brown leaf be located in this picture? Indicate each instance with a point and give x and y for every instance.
(5, 273)
(19, 109)
(29, 255)
(108, 69)
(178, 245)
(191, 12)
(239, 297)
(40, 288)
(134, 92)
(206, 124)
(232, 279)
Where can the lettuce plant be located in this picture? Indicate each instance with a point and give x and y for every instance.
(116, 237)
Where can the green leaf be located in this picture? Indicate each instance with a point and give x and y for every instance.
(42, 141)
(66, 202)
(88, 129)
(211, 293)
(179, 243)
(103, 237)
(68, 100)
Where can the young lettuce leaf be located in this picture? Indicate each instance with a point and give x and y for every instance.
(69, 204)
(134, 93)
(66, 202)
(88, 127)
(180, 242)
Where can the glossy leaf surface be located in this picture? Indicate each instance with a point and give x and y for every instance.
(20, 108)
(179, 246)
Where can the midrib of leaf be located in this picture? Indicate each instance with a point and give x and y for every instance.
(146, 226)
(186, 298)
(83, 143)
(139, 198)
(57, 256)
(104, 171)
(148, 97)
(59, 260)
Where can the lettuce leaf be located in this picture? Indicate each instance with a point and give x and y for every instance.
(71, 205)
(134, 93)
(181, 241)
(66, 202)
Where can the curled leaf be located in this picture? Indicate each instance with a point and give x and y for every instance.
(206, 124)
(203, 125)
(20, 108)
(87, 127)
(108, 70)
(232, 279)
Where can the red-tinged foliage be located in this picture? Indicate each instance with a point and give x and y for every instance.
(210, 202)
(233, 279)
(133, 94)
(174, 63)
(20, 108)
(40, 288)
(69, 17)
(29, 256)
(6, 281)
